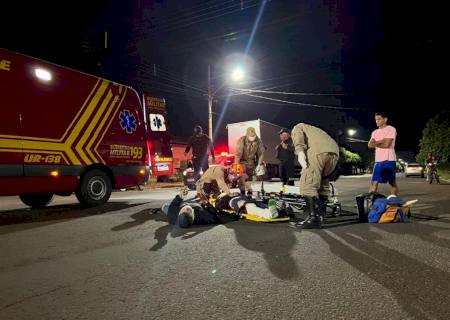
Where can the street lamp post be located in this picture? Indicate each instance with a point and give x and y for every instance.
(210, 101)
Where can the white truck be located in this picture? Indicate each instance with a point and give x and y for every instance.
(269, 134)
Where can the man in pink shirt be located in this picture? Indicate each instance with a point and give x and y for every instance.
(383, 141)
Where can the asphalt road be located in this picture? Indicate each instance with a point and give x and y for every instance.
(122, 261)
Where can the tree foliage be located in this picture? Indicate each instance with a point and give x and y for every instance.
(350, 157)
(436, 138)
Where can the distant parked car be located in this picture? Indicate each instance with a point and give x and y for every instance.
(414, 169)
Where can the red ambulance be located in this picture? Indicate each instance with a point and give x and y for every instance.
(64, 131)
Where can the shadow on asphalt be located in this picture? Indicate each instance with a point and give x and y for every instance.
(406, 278)
(54, 214)
(346, 218)
(274, 241)
(138, 219)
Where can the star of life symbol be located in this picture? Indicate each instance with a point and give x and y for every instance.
(157, 122)
(128, 121)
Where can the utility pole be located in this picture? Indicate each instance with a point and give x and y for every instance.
(210, 102)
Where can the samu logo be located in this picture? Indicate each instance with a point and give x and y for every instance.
(127, 121)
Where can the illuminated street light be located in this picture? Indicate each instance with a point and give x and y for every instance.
(237, 74)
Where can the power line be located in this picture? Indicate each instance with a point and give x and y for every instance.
(159, 68)
(191, 10)
(292, 93)
(302, 104)
(172, 76)
(153, 80)
(161, 73)
(186, 24)
(234, 35)
(192, 14)
(168, 78)
(195, 19)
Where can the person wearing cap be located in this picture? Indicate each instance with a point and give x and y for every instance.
(214, 181)
(250, 153)
(184, 214)
(285, 154)
(200, 144)
(318, 154)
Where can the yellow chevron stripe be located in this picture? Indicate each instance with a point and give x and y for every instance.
(40, 146)
(19, 143)
(68, 128)
(91, 127)
(100, 127)
(110, 120)
(80, 124)
(82, 108)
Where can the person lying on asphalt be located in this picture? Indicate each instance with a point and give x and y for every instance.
(184, 214)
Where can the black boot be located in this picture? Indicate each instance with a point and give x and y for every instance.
(323, 200)
(314, 219)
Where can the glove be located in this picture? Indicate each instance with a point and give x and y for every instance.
(183, 192)
(302, 159)
(203, 197)
(260, 170)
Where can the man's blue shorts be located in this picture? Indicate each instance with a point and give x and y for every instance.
(384, 172)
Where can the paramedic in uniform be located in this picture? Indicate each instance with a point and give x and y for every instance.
(383, 141)
(318, 154)
(214, 181)
(200, 143)
(250, 153)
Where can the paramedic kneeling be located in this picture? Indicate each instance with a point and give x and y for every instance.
(214, 181)
(383, 141)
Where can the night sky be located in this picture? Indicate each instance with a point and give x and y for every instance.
(374, 55)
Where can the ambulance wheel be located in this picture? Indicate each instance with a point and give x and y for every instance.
(36, 200)
(94, 189)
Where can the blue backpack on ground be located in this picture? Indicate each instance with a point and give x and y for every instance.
(386, 210)
(378, 208)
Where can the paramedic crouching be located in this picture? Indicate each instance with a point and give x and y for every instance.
(318, 154)
(215, 181)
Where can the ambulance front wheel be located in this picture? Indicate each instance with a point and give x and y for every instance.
(36, 200)
(94, 189)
